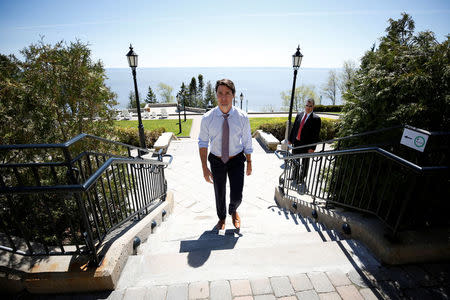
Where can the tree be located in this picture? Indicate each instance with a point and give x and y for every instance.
(346, 76)
(165, 91)
(54, 94)
(151, 97)
(210, 95)
(132, 100)
(330, 89)
(192, 101)
(200, 89)
(183, 94)
(302, 93)
(399, 83)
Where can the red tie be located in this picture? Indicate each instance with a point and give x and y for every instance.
(301, 126)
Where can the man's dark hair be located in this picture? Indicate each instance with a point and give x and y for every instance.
(312, 101)
(226, 82)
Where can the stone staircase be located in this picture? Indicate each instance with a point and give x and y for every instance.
(275, 243)
(271, 242)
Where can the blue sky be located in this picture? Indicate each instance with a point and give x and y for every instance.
(210, 33)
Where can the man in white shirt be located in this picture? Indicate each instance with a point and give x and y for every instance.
(226, 156)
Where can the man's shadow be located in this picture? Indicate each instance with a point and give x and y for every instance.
(200, 249)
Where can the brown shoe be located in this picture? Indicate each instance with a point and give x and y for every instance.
(220, 225)
(236, 220)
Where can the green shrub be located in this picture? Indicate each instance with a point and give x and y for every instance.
(277, 129)
(328, 129)
(130, 136)
(328, 108)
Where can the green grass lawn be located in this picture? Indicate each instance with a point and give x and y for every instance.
(171, 125)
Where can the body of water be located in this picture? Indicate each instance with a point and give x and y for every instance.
(261, 87)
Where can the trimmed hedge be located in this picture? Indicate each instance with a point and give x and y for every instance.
(328, 130)
(130, 136)
(328, 108)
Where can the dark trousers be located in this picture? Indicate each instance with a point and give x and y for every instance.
(301, 167)
(234, 168)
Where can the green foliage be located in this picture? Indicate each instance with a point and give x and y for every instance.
(192, 93)
(200, 89)
(132, 100)
(210, 95)
(404, 81)
(302, 93)
(277, 127)
(328, 108)
(165, 91)
(347, 75)
(54, 94)
(170, 125)
(130, 136)
(151, 97)
(328, 129)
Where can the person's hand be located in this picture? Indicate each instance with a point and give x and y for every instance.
(310, 150)
(207, 175)
(249, 168)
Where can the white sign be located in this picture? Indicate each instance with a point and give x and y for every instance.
(414, 139)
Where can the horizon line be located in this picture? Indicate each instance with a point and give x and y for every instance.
(186, 67)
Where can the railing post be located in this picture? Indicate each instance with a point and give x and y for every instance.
(73, 180)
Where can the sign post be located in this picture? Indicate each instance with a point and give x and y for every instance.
(414, 139)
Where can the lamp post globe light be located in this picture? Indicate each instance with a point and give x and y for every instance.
(133, 62)
(296, 62)
(242, 98)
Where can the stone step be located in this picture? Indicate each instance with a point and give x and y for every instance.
(231, 239)
(235, 263)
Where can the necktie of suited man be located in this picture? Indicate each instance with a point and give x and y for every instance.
(301, 127)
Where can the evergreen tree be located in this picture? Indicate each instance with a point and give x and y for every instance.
(399, 83)
(210, 95)
(200, 89)
(151, 97)
(183, 94)
(193, 93)
(132, 100)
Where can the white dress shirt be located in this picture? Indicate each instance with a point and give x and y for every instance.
(240, 133)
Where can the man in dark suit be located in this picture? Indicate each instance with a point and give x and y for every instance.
(305, 131)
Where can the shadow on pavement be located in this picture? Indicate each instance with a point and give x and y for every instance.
(210, 240)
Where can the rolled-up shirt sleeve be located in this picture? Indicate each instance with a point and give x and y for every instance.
(203, 137)
(247, 137)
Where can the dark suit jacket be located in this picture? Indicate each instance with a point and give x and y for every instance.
(310, 132)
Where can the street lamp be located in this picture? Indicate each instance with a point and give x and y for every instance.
(242, 98)
(179, 111)
(296, 62)
(133, 62)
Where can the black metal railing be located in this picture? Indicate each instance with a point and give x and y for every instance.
(63, 199)
(372, 180)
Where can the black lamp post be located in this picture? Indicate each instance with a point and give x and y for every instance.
(132, 62)
(179, 111)
(296, 62)
(242, 98)
(184, 105)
